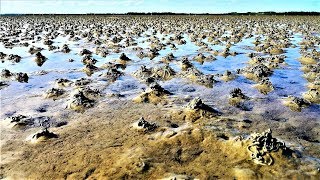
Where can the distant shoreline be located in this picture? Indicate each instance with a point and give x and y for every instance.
(293, 13)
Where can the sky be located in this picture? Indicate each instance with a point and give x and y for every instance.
(178, 6)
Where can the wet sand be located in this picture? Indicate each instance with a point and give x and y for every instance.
(101, 144)
(96, 131)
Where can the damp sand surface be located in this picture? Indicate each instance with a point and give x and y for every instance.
(101, 143)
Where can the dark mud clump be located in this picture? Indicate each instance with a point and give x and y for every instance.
(264, 86)
(63, 82)
(196, 110)
(155, 94)
(296, 103)
(82, 82)
(79, 102)
(43, 135)
(85, 52)
(237, 97)
(40, 59)
(65, 49)
(143, 125)
(54, 93)
(262, 145)
(5, 73)
(22, 122)
(111, 75)
(22, 77)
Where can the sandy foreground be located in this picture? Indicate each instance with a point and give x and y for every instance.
(103, 144)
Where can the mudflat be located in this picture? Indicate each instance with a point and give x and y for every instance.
(160, 97)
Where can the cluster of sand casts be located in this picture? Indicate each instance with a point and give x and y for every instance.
(153, 133)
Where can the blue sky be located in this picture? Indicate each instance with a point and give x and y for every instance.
(185, 6)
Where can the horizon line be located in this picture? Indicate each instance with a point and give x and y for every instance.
(164, 13)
